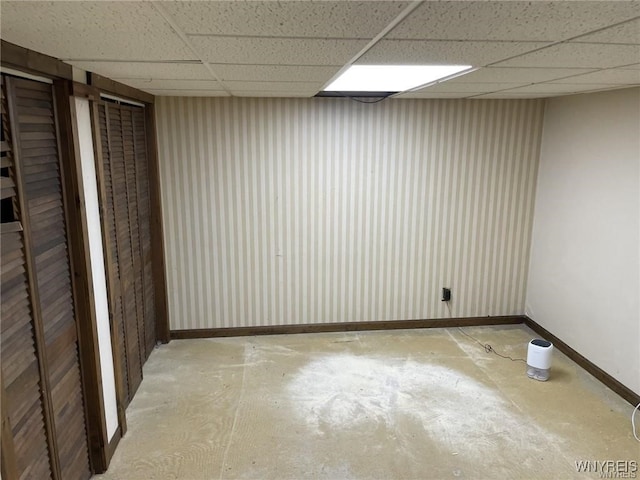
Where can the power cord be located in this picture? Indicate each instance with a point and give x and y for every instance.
(633, 421)
(358, 99)
(487, 347)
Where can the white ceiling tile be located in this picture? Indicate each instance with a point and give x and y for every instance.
(326, 19)
(507, 95)
(578, 55)
(443, 52)
(452, 86)
(511, 20)
(614, 76)
(274, 73)
(146, 84)
(519, 75)
(266, 93)
(283, 87)
(276, 51)
(107, 37)
(561, 88)
(426, 94)
(626, 33)
(92, 30)
(187, 93)
(146, 70)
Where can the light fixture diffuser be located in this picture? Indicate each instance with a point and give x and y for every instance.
(391, 78)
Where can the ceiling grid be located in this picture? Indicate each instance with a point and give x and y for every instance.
(295, 48)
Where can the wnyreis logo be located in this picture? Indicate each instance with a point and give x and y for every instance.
(609, 468)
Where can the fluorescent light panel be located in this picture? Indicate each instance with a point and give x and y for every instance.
(391, 78)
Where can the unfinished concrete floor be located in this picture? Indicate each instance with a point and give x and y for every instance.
(404, 404)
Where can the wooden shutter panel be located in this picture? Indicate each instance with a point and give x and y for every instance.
(20, 373)
(126, 116)
(126, 220)
(110, 229)
(22, 403)
(144, 216)
(35, 127)
(115, 175)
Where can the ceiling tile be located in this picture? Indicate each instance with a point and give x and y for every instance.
(285, 19)
(511, 20)
(628, 33)
(518, 75)
(561, 88)
(452, 86)
(187, 93)
(426, 94)
(265, 93)
(507, 95)
(283, 87)
(276, 51)
(578, 55)
(146, 70)
(92, 30)
(614, 76)
(146, 84)
(274, 73)
(443, 52)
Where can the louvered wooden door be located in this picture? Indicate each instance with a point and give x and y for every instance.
(22, 405)
(40, 357)
(124, 156)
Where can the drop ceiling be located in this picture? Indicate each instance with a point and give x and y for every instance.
(294, 48)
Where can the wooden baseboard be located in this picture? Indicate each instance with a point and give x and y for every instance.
(345, 327)
(625, 392)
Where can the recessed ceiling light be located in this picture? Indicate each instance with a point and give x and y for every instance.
(391, 78)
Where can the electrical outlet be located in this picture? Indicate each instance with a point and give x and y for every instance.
(446, 294)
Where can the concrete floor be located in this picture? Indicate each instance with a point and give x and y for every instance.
(404, 404)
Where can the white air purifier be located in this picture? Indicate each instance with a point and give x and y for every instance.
(539, 359)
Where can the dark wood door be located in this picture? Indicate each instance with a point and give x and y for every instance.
(24, 429)
(127, 212)
(43, 382)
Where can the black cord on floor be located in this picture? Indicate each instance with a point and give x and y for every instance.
(487, 347)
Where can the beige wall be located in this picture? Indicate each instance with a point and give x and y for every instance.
(283, 211)
(584, 279)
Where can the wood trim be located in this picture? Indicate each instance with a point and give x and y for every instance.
(345, 327)
(82, 284)
(85, 91)
(625, 392)
(8, 467)
(120, 89)
(113, 444)
(34, 62)
(157, 230)
(108, 260)
(34, 296)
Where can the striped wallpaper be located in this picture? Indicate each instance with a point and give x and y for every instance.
(285, 211)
